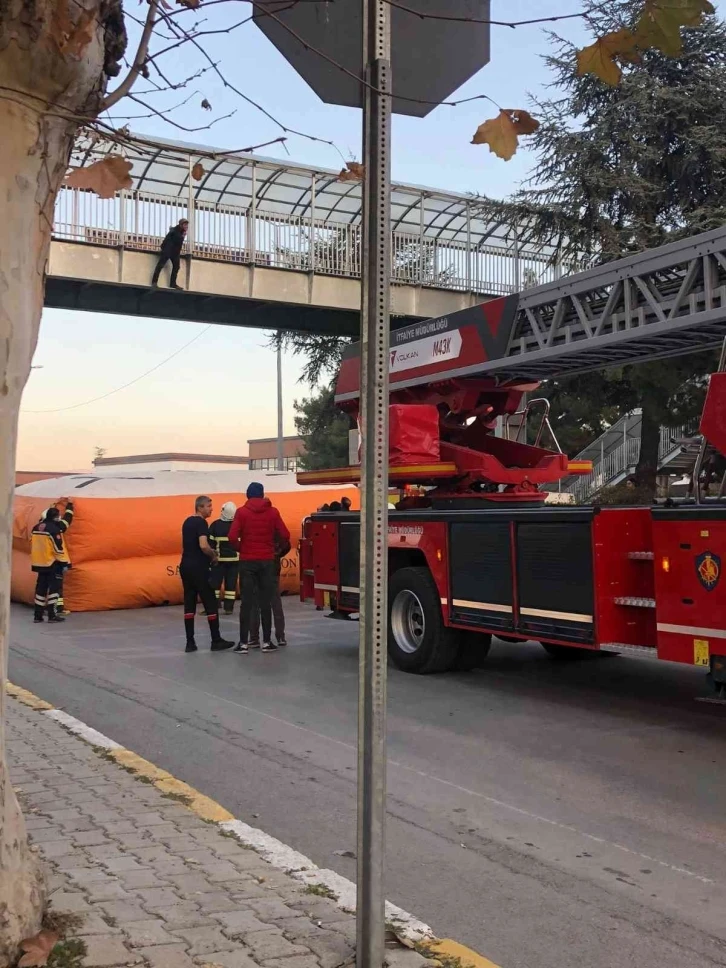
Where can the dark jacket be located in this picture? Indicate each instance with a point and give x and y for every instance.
(255, 528)
(282, 548)
(172, 244)
(219, 540)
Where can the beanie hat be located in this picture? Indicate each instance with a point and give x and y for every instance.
(228, 509)
(255, 490)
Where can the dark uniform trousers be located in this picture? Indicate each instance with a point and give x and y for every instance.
(278, 614)
(257, 585)
(195, 580)
(225, 573)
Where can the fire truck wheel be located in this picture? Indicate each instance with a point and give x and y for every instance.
(418, 640)
(567, 653)
(473, 650)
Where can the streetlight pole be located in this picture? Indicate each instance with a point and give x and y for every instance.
(280, 437)
(375, 339)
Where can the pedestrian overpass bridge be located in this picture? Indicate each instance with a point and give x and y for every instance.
(272, 244)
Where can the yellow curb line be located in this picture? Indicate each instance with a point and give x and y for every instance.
(207, 809)
(26, 698)
(202, 806)
(445, 946)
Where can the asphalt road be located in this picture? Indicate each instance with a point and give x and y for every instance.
(548, 815)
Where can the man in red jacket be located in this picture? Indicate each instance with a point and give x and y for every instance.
(255, 527)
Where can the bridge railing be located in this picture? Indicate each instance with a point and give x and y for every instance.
(255, 236)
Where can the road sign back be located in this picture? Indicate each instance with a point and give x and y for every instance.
(430, 58)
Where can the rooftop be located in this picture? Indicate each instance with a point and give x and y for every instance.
(149, 458)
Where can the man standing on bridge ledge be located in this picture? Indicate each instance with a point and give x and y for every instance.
(171, 250)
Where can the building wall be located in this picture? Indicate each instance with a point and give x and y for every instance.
(263, 453)
(267, 447)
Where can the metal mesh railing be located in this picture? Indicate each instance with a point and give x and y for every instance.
(613, 465)
(140, 220)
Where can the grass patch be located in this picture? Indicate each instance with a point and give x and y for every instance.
(179, 798)
(68, 954)
(321, 890)
(63, 924)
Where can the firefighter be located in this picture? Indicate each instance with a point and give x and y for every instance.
(49, 558)
(197, 556)
(226, 570)
(170, 250)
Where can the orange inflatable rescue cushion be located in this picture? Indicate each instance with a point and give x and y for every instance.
(125, 551)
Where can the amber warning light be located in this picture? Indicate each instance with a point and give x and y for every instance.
(665, 564)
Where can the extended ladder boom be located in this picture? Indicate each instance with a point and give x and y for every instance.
(659, 303)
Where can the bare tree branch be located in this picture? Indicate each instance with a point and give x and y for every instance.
(228, 84)
(139, 61)
(154, 112)
(478, 20)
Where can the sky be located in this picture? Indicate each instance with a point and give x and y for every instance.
(221, 390)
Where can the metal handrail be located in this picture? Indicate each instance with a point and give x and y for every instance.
(544, 422)
(138, 220)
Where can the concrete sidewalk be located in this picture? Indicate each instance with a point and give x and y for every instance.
(153, 883)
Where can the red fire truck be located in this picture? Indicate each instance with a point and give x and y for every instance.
(477, 553)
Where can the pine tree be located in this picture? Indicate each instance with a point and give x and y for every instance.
(619, 170)
(324, 430)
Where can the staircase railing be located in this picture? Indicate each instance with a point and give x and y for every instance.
(618, 462)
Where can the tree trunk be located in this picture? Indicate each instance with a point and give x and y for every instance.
(51, 74)
(647, 468)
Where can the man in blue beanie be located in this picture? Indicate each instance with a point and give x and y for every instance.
(256, 529)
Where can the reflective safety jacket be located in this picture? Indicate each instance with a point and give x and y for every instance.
(47, 543)
(219, 540)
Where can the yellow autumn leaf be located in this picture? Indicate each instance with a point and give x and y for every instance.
(524, 123)
(502, 133)
(38, 949)
(661, 21)
(104, 177)
(601, 58)
(352, 172)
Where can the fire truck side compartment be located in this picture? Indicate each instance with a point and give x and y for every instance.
(690, 555)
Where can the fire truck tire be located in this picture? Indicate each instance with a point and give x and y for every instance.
(567, 653)
(418, 640)
(473, 650)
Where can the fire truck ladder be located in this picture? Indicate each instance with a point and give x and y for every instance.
(655, 304)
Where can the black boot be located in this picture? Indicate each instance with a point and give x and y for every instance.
(218, 643)
(53, 615)
(38, 617)
(191, 646)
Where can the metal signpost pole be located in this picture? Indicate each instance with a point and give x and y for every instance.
(280, 436)
(375, 341)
